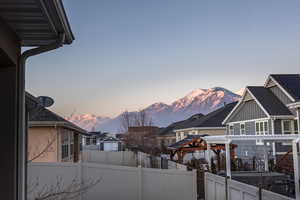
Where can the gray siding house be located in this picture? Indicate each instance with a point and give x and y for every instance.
(271, 109)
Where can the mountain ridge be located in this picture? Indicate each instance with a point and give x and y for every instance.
(162, 114)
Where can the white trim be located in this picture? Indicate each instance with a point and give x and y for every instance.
(280, 87)
(233, 110)
(223, 139)
(282, 116)
(249, 120)
(294, 105)
(200, 128)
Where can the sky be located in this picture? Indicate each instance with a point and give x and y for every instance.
(128, 54)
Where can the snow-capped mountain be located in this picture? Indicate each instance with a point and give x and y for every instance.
(198, 101)
(87, 121)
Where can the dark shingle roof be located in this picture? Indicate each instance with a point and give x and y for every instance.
(40, 114)
(176, 125)
(212, 119)
(290, 82)
(269, 101)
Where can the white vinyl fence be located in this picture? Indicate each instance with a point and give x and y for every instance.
(215, 189)
(116, 182)
(129, 158)
(123, 158)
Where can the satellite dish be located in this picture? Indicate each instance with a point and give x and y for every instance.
(45, 101)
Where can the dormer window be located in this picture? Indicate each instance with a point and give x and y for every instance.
(242, 128)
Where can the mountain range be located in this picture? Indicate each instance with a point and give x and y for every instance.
(198, 101)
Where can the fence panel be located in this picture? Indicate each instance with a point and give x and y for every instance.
(123, 158)
(215, 190)
(268, 195)
(214, 187)
(117, 182)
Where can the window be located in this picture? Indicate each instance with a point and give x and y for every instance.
(87, 141)
(64, 145)
(231, 130)
(242, 128)
(296, 126)
(94, 141)
(287, 126)
(261, 128)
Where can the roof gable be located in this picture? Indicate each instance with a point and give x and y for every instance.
(288, 83)
(265, 99)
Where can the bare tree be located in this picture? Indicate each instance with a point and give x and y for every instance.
(59, 191)
(41, 150)
(137, 119)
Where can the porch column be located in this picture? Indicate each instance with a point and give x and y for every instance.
(12, 106)
(296, 168)
(298, 119)
(266, 159)
(228, 159)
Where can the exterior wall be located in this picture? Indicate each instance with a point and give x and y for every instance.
(38, 139)
(248, 110)
(166, 140)
(280, 95)
(183, 134)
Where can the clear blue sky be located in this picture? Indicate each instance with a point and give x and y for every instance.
(131, 53)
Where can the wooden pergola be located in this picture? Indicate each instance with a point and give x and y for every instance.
(195, 143)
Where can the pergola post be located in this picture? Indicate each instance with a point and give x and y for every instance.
(296, 168)
(228, 159)
(208, 149)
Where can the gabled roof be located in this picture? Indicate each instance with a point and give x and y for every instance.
(40, 116)
(267, 101)
(270, 103)
(212, 119)
(177, 125)
(290, 83)
(110, 139)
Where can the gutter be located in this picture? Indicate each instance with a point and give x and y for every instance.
(199, 128)
(22, 123)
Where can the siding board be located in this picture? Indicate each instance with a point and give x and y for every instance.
(280, 95)
(248, 110)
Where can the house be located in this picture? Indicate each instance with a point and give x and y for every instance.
(167, 136)
(272, 109)
(93, 138)
(210, 124)
(43, 26)
(51, 138)
(111, 144)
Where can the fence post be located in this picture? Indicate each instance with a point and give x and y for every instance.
(140, 183)
(195, 182)
(259, 193)
(80, 176)
(226, 188)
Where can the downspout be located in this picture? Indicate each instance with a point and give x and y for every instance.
(22, 122)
